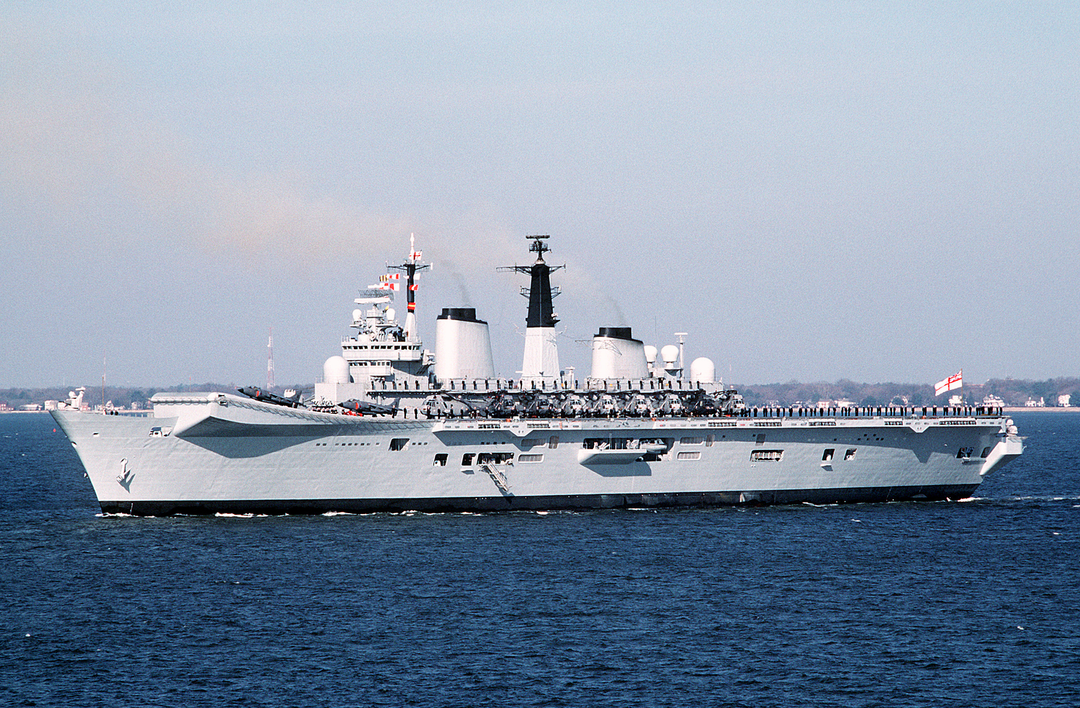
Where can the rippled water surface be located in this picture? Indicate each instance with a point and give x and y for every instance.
(973, 603)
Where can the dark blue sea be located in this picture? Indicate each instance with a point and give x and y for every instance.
(973, 603)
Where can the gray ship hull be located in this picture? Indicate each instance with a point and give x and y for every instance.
(538, 503)
(219, 453)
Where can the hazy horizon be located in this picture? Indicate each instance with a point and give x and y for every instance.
(813, 193)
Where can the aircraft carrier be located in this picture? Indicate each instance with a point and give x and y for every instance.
(394, 427)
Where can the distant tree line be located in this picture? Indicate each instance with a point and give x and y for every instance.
(1015, 392)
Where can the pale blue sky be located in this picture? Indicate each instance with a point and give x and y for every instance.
(813, 191)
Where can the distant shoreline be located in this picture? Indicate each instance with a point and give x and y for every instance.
(1041, 409)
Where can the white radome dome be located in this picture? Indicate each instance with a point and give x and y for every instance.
(702, 370)
(670, 354)
(336, 370)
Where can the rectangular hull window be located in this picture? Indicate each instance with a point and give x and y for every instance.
(498, 458)
(766, 455)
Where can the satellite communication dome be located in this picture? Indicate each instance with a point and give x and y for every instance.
(336, 370)
(357, 314)
(670, 354)
(702, 370)
(391, 315)
(650, 353)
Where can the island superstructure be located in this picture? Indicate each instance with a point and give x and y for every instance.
(392, 427)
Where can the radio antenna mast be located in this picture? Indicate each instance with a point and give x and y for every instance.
(270, 361)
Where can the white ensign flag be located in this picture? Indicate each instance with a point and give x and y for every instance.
(953, 382)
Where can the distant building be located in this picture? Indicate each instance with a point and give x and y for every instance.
(1032, 403)
(956, 400)
(1063, 400)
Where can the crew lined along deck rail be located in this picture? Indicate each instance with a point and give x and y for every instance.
(875, 412)
(828, 416)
